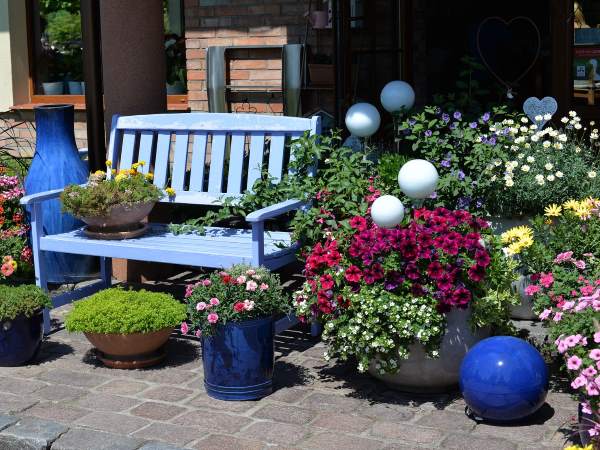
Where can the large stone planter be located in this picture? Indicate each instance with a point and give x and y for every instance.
(420, 373)
(524, 311)
(122, 222)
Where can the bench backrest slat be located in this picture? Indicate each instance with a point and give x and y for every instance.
(206, 152)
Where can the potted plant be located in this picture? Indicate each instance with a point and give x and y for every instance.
(128, 328)
(113, 207)
(21, 323)
(568, 300)
(321, 70)
(408, 302)
(233, 312)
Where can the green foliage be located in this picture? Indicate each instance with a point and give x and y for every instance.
(63, 28)
(388, 166)
(21, 300)
(100, 194)
(236, 295)
(71, 6)
(117, 311)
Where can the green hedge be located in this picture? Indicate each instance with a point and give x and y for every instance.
(120, 311)
(25, 299)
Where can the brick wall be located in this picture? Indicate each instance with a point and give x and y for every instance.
(239, 23)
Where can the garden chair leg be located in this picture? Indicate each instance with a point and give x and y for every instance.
(37, 232)
(106, 271)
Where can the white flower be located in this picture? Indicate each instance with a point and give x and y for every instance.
(562, 137)
(530, 159)
(521, 155)
(558, 146)
(514, 130)
(577, 150)
(533, 127)
(592, 123)
(577, 126)
(559, 174)
(549, 166)
(540, 179)
(572, 113)
(553, 133)
(524, 119)
(497, 162)
(592, 174)
(593, 136)
(547, 116)
(527, 145)
(535, 138)
(493, 178)
(546, 144)
(550, 177)
(509, 183)
(523, 129)
(520, 140)
(576, 119)
(538, 118)
(564, 120)
(525, 168)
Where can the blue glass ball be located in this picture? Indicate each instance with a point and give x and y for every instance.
(503, 378)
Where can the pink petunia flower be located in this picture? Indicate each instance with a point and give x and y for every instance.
(589, 372)
(592, 389)
(574, 362)
(184, 328)
(597, 337)
(545, 314)
(212, 318)
(572, 341)
(595, 354)
(567, 306)
(562, 347)
(578, 382)
(557, 317)
(586, 408)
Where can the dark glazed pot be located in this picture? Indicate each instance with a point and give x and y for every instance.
(20, 339)
(238, 360)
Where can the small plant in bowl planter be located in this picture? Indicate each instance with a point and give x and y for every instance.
(128, 328)
(21, 323)
(233, 311)
(114, 205)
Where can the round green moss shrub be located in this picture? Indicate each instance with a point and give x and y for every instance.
(24, 300)
(117, 311)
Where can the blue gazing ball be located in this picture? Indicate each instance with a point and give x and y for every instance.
(503, 378)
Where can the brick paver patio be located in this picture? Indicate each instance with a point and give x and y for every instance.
(79, 404)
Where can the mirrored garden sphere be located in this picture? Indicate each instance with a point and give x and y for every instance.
(387, 211)
(363, 119)
(418, 178)
(397, 95)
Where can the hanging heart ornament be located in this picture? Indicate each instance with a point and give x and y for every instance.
(534, 107)
(519, 21)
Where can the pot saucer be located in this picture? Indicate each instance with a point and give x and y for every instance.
(132, 362)
(95, 233)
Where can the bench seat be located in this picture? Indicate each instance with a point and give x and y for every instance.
(217, 248)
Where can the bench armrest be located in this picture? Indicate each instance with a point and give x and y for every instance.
(40, 197)
(274, 210)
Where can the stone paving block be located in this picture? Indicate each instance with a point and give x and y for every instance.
(173, 377)
(112, 422)
(30, 433)
(388, 411)
(167, 394)
(336, 441)
(6, 421)
(20, 386)
(11, 404)
(447, 420)
(82, 439)
(275, 433)
(331, 402)
(344, 423)
(159, 446)
(213, 421)
(525, 434)
(59, 392)
(174, 434)
(157, 411)
(221, 442)
(56, 411)
(122, 387)
(107, 402)
(71, 378)
(289, 395)
(204, 401)
(285, 414)
(407, 433)
(469, 442)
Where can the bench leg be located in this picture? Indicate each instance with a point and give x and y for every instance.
(106, 271)
(38, 262)
(258, 243)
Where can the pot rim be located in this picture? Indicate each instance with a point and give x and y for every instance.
(37, 312)
(131, 334)
(138, 205)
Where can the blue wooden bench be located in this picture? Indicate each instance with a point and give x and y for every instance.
(204, 157)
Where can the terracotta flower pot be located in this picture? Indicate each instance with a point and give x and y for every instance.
(130, 351)
(122, 222)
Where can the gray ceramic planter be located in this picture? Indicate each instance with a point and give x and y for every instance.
(524, 311)
(420, 373)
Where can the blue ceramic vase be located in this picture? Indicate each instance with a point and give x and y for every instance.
(56, 164)
(238, 360)
(503, 379)
(20, 339)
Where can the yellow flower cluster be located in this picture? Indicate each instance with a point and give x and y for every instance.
(577, 447)
(124, 173)
(517, 239)
(170, 192)
(583, 208)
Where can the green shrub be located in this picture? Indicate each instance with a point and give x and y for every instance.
(120, 311)
(21, 300)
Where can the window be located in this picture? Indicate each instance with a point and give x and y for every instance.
(56, 52)
(586, 52)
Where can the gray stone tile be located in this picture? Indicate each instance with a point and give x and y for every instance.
(173, 434)
(112, 422)
(447, 420)
(157, 411)
(407, 432)
(388, 411)
(285, 414)
(204, 401)
(344, 423)
(212, 421)
(31, 433)
(71, 378)
(107, 402)
(10, 404)
(275, 433)
(83, 439)
(159, 446)
(59, 392)
(468, 442)
(525, 434)
(331, 402)
(19, 386)
(337, 441)
(289, 395)
(167, 394)
(221, 442)
(6, 421)
(123, 387)
(58, 412)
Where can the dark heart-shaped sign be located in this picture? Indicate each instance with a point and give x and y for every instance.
(534, 107)
(508, 60)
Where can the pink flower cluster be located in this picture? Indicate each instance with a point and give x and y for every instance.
(568, 257)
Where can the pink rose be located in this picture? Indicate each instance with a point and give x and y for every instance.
(562, 257)
(264, 286)
(212, 318)
(248, 305)
(206, 282)
(251, 286)
(574, 362)
(214, 301)
(184, 328)
(189, 289)
(201, 306)
(545, 314)
(241, 279)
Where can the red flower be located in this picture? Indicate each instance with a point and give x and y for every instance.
(482, 258)
(358, 223)
(435, 270)
(353, 274)
(326, 281)
(226, 279)
(343, 302)
(325, 306)
(476, 273)
(461, 297)
(238, 307)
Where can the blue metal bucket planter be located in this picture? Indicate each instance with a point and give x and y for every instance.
(20, 339)
(238, 360)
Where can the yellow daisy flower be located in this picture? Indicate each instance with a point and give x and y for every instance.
(170, 192)
(552, 210)
(150, 176)
(571, 205)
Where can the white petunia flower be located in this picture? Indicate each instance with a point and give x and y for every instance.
(535, 138)
(521, 155)
(558, 146)
(577, 126)
(525, 168)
